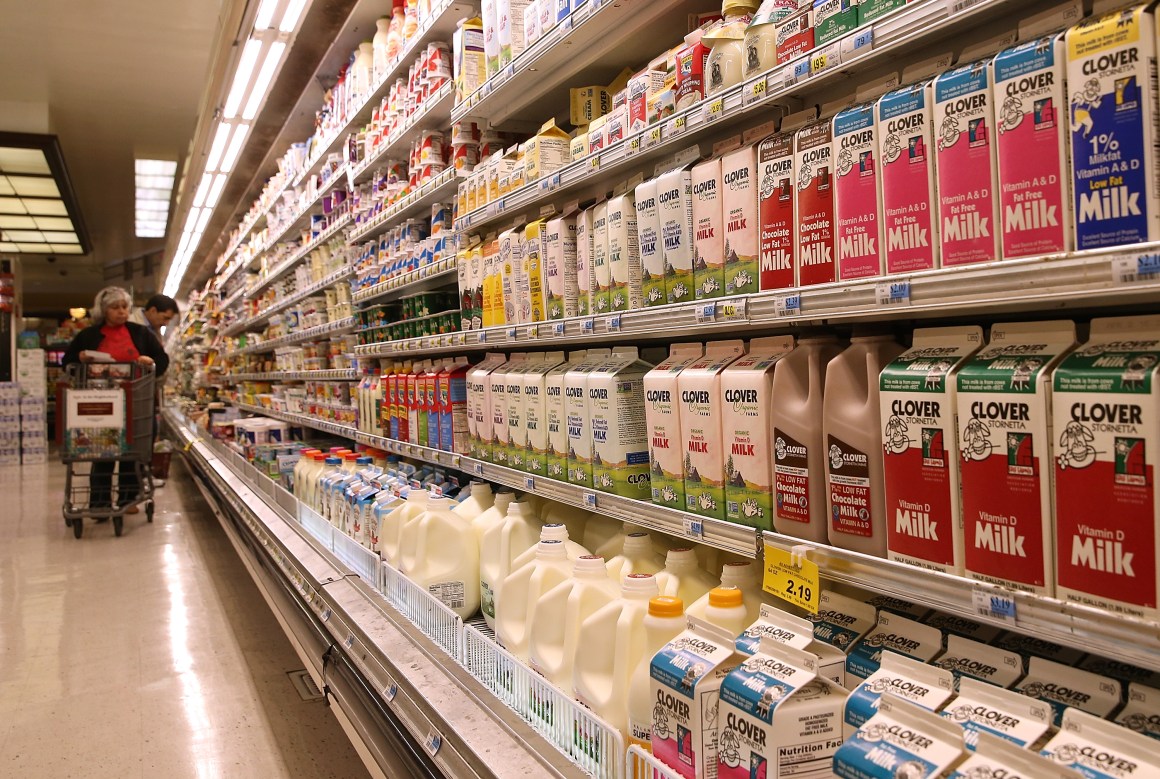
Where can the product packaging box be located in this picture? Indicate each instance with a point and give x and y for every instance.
(701, 419)
(616, 397)
(663, 421)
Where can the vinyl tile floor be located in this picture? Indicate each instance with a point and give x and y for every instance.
(150, 655)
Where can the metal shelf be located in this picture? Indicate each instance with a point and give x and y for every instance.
(436, 113)
(302, 218)
(246, 230)
(332, 328)
(335, 374)
(433, 276)
(445, 186)
(301, 252)
(245, 324)
(1083, 280)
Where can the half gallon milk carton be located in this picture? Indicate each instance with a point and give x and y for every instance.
(579, 419)
(1106, 398)
(708, 231)
(701, 418)
(686, 684)
(1098, 749)
(900, 606)
(1111, 76)
(584, 272)
(500, 434)
(779, 717)
(897, 634)
(652, 258)
(841, 622)
(535, 271)
(560, 267)
(624, 253)
(663, 420)
(747, 389)
(601, 273)
(1141, 714)
(902, 740)
(479, 406)
(906, 139)
(813, 148)
(675, 211)
(778, 228)
(968, 196)
(619, 433)
(556, 417)
(919, 683)
(997, 757)
(739, 207)
(1005, 435)
(921, 465)
(1030, 646)
(952, 624)
(517, 407)
(968, 659)
(857, 192)
(1064, 688)
(535, 427)
(784, 628)
(982, 708)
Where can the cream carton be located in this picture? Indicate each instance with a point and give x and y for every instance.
(601, 272)
(652, 258)
(968, 659)
(900, 606)
(919, 683)
(516, 407)
(1030, 646)
(1005, 433)
(708, 231)
(624, 268)
(813, 147)
(563, 289)
(548, 150)
(663, 421)
(511, 263)
(675, 211)
(918, 395)
(747, 387)
(556, 417)
(579, 418)
(966, 165)
(999, 758)
(897, 634)
(951, 624)
(1102, 750)
(535, 275)
(780, 717)
(842, 621)
(739, 211)
(981, 708)
(479, 406)
(902, 740)
(1141, 714)
(783, 628)
(1106, 398)
(1032, 148)
(584, 274)
(491, 35)
(616, 401)
(1063, 687)
(701, 418)
(857, 192)
(777, 225)
(534, 434)
(1111, 74)
(686, 685)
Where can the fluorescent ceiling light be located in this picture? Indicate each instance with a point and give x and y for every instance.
(293, 13)
(18, 222)
(215, 191)
(235, 148)
(203, 219)
(265, 18)
(33, 186)
(219, 145)
(46, 207)
(13, 160)
(262, 85)
(202, 189)
(37, 206)
(242, 77)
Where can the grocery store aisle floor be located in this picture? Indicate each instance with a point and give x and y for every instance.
(150, 655)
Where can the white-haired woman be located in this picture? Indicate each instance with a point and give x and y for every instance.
(124, 341)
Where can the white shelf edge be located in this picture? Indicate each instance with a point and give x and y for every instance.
(242, 326)
(443, 186)
(331, 328)
(403, 282)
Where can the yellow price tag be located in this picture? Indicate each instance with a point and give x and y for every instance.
(633, 145)
(757, 89)
(594, 163)
(793, 580)
(715, 110)
(654, 136)
(818, 63)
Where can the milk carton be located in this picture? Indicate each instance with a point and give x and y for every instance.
(922, 466)
(1032, 148)
(897, 634)
(981, 708)
(876, 9)
(1102, 750)
(584, 274)
(1030, 646)
(857, 192)
(968, 659)
(579, 419)
(491, 36)
(1141, 714)
(778, 228)
(997, 757)
(1124, 672)
(1107, 421)
(663, 421)
(900, 606)
(779, 716)
(902, 740)
(739, 210)
(619, 434)
(951, 624)
(560, 267)
(675, 211)
(534, 433)
(784, 628)
(535, 275)
(500, 432)
(686, 684)
(1111, 75)
(916, 682)
(708, 227)
(601, 272)
(747, 387)
(511, 29)
(1005, 434)
(624, 268)
(815, 203)
(556, 417)
(1063, 687)
(652, 258)
(701, 418)
(834, 18)
(841, 622)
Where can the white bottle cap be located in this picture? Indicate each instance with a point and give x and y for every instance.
(590, 566)
(639, 586)
(636, 544)
(683, 558)
(551, 550)
(554, 532)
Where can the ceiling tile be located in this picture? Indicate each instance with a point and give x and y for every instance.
(53, 223)
(35, 187)
(61, 237)
(19, 222)
(14, 160)
(5, 187)
(12, 205)
(46, 207)
(23, 235)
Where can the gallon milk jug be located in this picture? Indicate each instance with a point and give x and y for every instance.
(523, 589)
(492, 516)
(613, 640)
(851, 419)
(636, 557)
(745, 576)
(502, 543)
(554, 644)
(615, 544)
(305, 462)
(727, 610)
(599, 530)
(438, 552)
(479, 500)
(391, 529)
(664, 621)
(683, 578)
(799, 464)
(553, 532)
(573, 517)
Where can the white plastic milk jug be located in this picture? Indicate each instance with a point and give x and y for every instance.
(683, 578)
(492, 516)
(637, 557)
(664, 622)
(391, 529)
(552, 532)
(479, 499)
(726, 610)
(522, 590)
(438, 552)
(502, 544)
(574, 517)
(599, 530)
(746, 576)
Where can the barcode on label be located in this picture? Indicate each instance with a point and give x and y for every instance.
(694, 528)
(893, 293)
(962, 5)
(1131, 270)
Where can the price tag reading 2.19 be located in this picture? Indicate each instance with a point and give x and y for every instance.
(794, 581)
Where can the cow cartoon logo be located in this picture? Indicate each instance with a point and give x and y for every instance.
(660, 721)
(1010, 114)
(835, 457)
(1136, 374)
(730, 748)
(977, 440)
(897, 441)
(1024, 372)
(948, 132)
(805, 175)
(1083, 103)
(892, 148)
(1076, 444)
(845, 162)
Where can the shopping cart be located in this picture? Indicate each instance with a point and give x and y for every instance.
(105, 422)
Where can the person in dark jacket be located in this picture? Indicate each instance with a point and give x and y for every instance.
(125, 341)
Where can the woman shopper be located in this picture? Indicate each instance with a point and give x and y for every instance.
(124, 341)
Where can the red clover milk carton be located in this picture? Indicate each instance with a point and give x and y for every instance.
(663, 419)
(1005, 433)
(921, 684)
(813, 148)
(902, 740)
(1106, 402)
(982, 708)
(778, 228)
(921, 464)
(1098, 749)
(1111, 78)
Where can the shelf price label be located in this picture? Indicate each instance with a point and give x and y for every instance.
(713, 110)
(432, 743)
(482, 336)
(792, 578)
(633, 146)
(612, 323)
(589, 499)
(529, 484)
(994, 603)
(477, 468)
(755, 92)
(588, 326)
(558, 329)
(796, 71)
(594, 163)
(533, 331)
(391, 692)
(676, 126)
(652, 137)
(705, 312)
(1136, 269)
(824, 59)
(893, 293)
(734, 310)
(694, 528)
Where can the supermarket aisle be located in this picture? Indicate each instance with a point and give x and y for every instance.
(147, 655)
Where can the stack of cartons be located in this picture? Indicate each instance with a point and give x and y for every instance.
(32, 376)
(9, 423)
